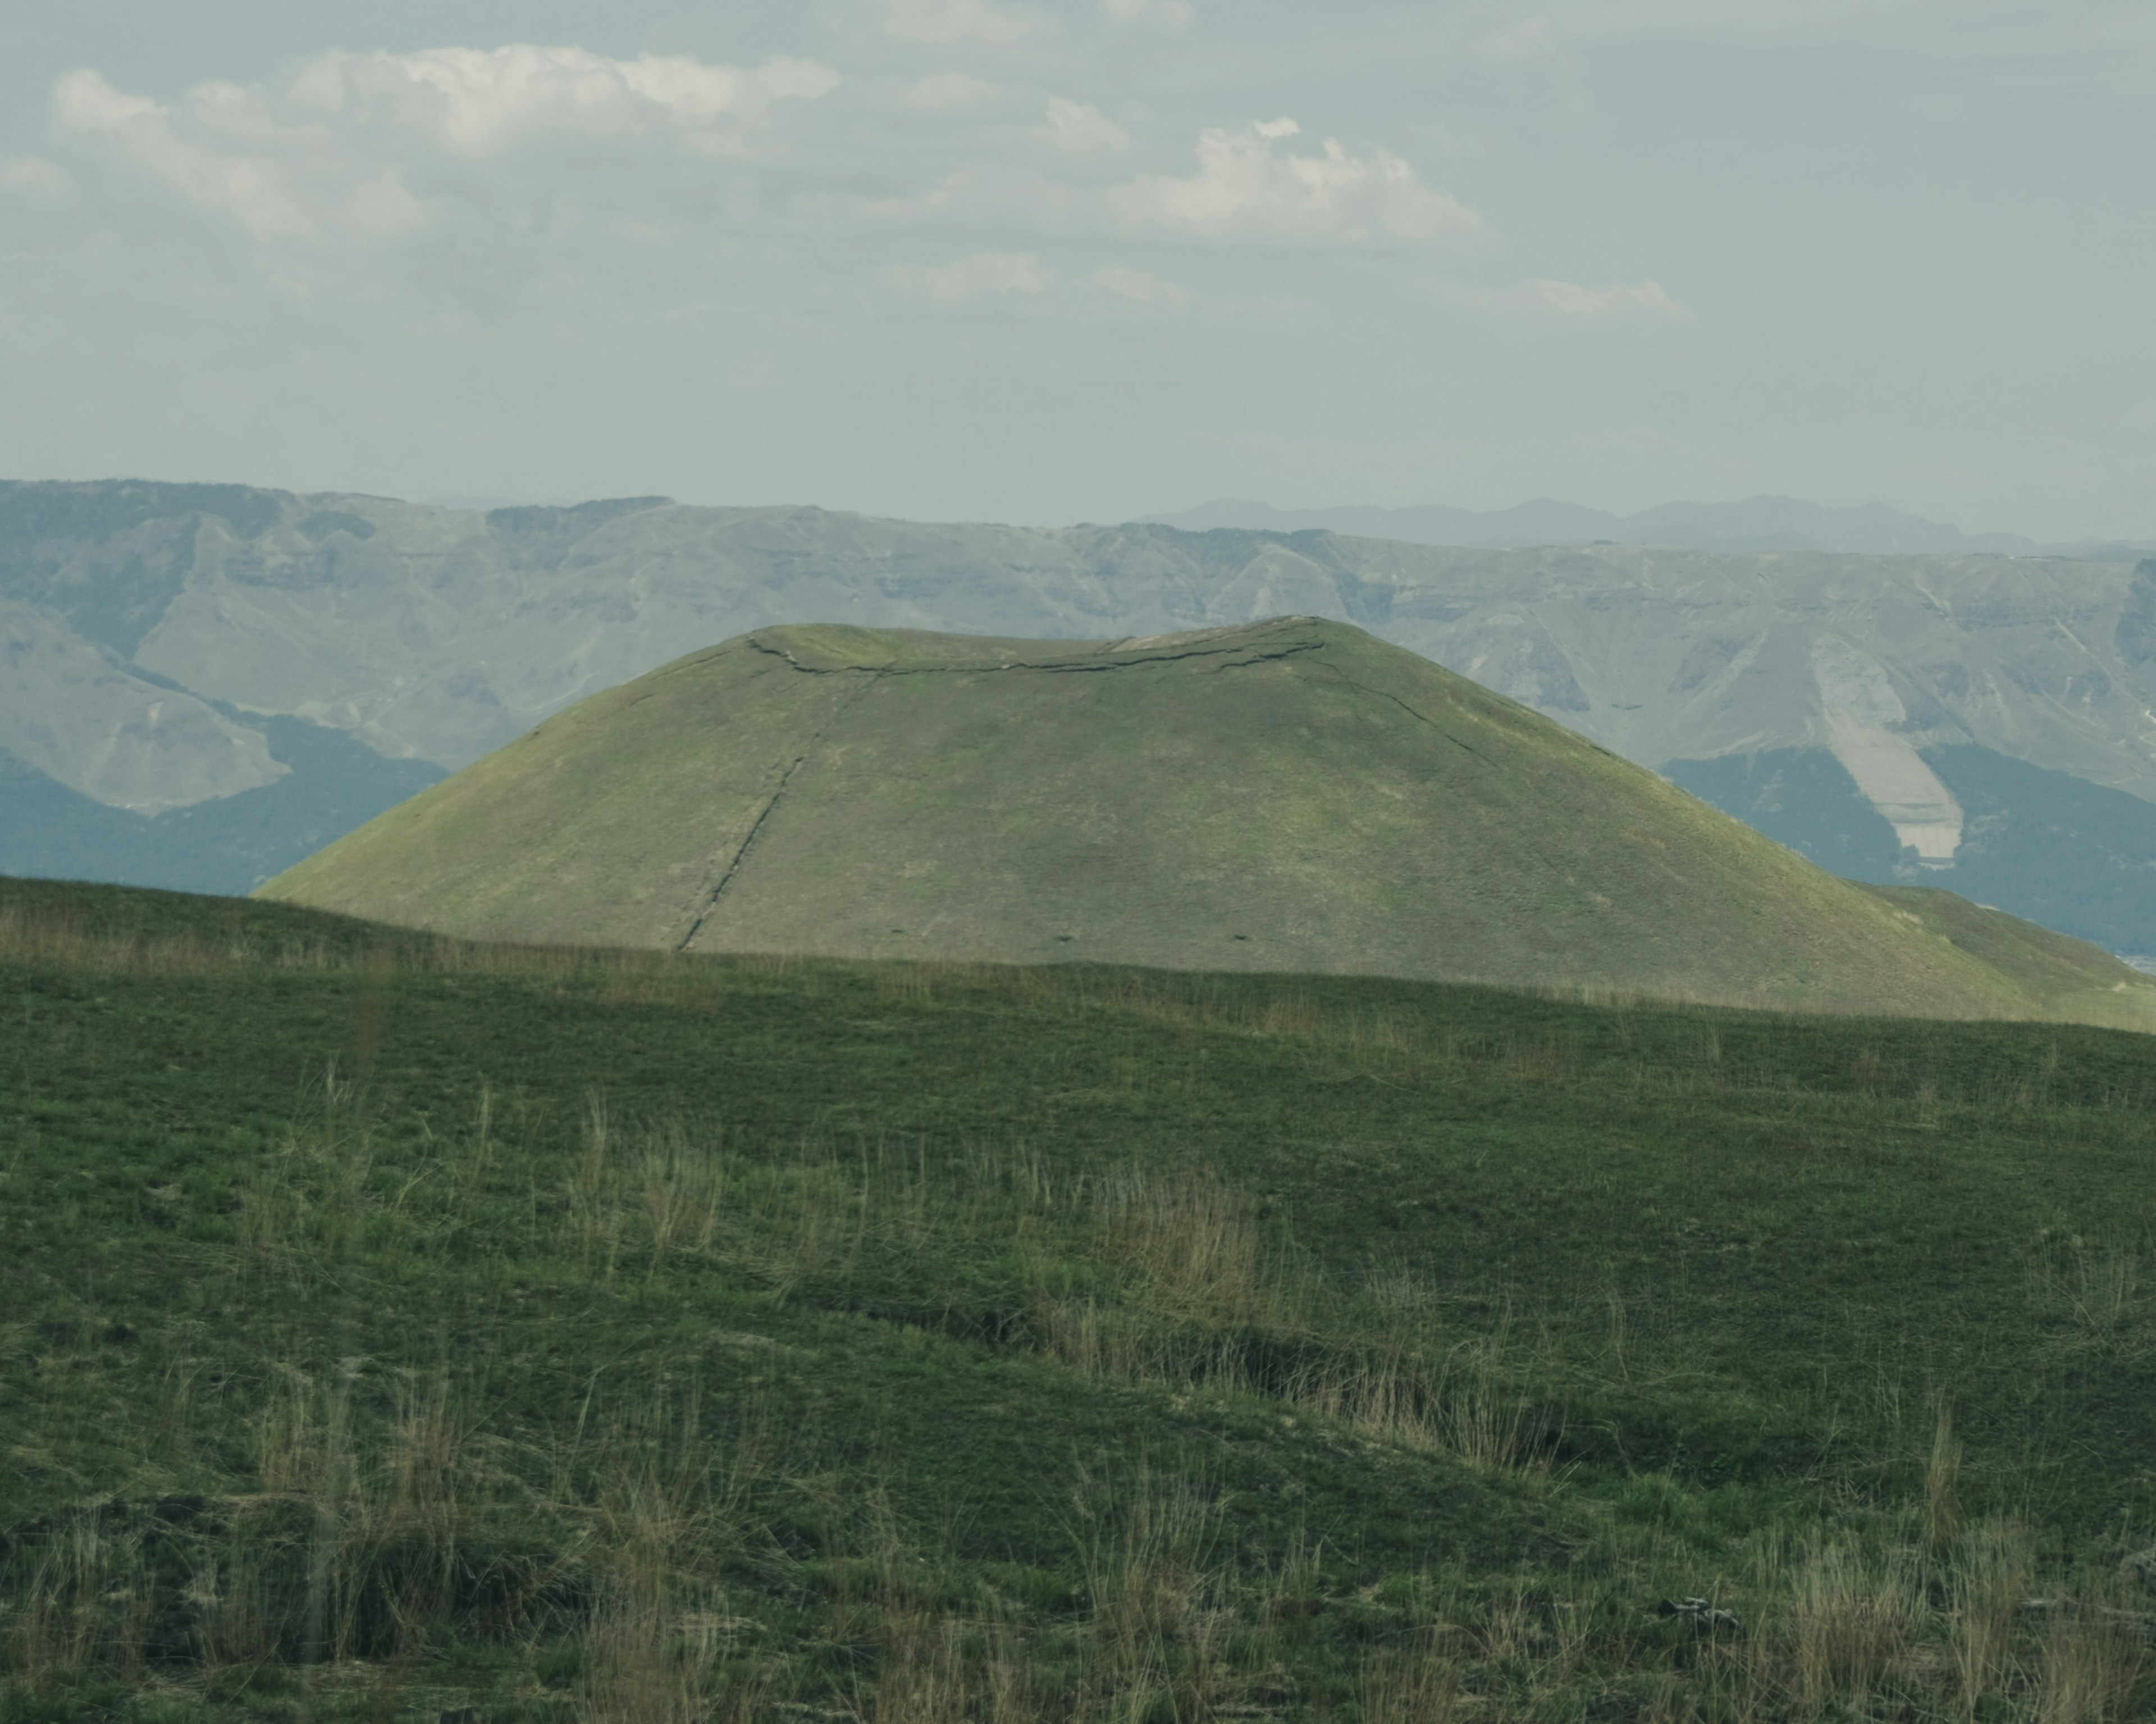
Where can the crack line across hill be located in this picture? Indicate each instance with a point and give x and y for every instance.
(785, 779)
(1412, 713)
(1250, 658)
(1305, 646)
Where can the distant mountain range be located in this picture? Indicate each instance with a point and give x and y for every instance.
(1755, 525)
(201, 684)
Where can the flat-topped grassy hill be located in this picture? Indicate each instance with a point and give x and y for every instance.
(1293, 795)
(396, 1326)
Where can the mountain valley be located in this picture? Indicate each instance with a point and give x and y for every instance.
(1977, 721)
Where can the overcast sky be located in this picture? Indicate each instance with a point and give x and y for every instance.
(980, 260)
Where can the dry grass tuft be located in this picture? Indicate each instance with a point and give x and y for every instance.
(1941, 1481)
(1851, 1617)
(1416, 1683)
(2093, 1670)
(1151, 1554)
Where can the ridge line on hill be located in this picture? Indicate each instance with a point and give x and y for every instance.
(1135, 660)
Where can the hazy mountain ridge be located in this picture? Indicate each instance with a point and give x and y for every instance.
(1755, 524)
(141, 625)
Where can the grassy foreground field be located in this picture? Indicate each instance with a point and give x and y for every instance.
(394, 1328)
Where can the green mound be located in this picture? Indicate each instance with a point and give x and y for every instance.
(1293, 795)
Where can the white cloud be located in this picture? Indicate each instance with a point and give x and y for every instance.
(477, 100)
(783, 75)
(986, 22)
(36, 182)
(1129, 284)
(1168, 16)
(1650, 298)
(988, 272)
(83, 101)
(357, 145)
(1081, 128)
(1248, 187)
(275, 187)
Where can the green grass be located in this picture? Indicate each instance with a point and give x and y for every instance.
(394, 1325)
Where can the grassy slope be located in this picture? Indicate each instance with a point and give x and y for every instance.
(1294, 795)
(1136, 1345)
(2080, 982)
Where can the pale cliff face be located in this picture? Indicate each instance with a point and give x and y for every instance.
(67, 711)
(441, 633)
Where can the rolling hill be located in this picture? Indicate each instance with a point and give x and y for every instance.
(1290, 795)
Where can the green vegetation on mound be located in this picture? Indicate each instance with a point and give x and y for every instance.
(396, 1326)
(1288, 796)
